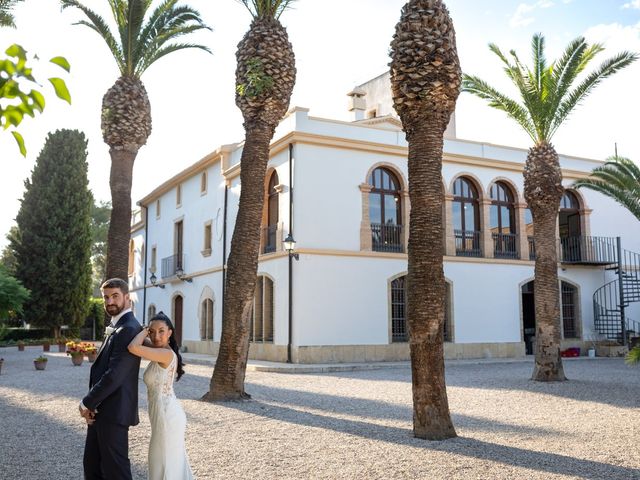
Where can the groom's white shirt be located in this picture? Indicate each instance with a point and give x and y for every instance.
(114, 322)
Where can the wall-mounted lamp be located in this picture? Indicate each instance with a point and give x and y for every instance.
(181, 275)
(154, 281)
(289, 245)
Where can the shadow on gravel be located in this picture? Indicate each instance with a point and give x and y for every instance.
(376, 409)
(37, 446)
(463, 446)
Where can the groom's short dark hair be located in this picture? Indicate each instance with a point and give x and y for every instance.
(116, 283)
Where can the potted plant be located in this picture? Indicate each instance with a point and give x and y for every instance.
(90, 350)
(46, 345)
(62, 344)
(1, 362)
(20, 344)
(76, 352)
(40, 362)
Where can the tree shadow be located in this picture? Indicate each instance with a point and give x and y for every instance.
(36, 445)
(463, 446)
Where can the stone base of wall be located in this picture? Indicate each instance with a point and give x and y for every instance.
(257, 351)
(395, 352)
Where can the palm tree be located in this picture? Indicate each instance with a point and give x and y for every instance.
(265, 77)
(548, 97)
(6, 17)
(141, 40)
(425, 82)
(618, 178)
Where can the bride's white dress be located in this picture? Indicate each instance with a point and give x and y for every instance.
(167, 454)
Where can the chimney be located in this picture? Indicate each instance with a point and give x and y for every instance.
(357, 103)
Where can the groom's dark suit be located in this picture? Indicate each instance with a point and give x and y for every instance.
(113, 392)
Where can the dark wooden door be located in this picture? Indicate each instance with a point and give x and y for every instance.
(177, 319)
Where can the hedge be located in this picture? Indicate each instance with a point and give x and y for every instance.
(15, 334)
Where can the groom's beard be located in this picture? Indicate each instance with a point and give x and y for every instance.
(114, 310)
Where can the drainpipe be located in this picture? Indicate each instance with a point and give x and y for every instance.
(290, 342)
(224, 244)
(146, 254)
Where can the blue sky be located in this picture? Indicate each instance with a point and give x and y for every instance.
(338, 44)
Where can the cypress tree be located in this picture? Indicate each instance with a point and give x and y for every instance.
(54, 247)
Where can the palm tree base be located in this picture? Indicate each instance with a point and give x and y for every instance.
(218, 396)
(550, 372)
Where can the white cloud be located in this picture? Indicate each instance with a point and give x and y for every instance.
(521, 17)
(632, 4)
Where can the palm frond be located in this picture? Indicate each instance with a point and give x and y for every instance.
(267, 8)
(579, 93)
(618, 179)
(6, 17)
(99, 25)
(130, 30)
(539, 60)
(159, 53)
(482, 89)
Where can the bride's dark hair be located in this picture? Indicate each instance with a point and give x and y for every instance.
(160, 316)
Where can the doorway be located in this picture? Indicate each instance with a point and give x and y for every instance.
(177, 319)
(528, 317)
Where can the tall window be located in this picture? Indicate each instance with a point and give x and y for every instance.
(206, 319)
(207, 239)
(385, 211)
(154, 257)
(261, 328)
(573, 246)
(568, 296)
(158, 208)
(203, 182)
(178, 195)
(399, 327)
(502, 221)
(271, 230)
(466, 218)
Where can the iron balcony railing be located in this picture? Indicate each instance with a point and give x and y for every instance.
(387, 238)
(532, 248)
(505, 245)
(268, 237)
(172, 265)
(588, 250)
(467, 243)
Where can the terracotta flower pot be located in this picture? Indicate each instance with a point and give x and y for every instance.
(1, 362)
(92, 356)
(46, 346)
(62, 347)
(77, 360)
(21, 347)
(40, 365)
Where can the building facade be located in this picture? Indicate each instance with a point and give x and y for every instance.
(340, 189)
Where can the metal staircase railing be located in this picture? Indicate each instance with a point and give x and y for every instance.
(610, 300)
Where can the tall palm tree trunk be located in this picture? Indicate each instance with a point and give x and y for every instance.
(426, 284)
(543, 191)
(227, 381)
(120, 224)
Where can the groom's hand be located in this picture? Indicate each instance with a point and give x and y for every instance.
(87, 414)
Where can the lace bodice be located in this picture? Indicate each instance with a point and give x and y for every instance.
(159, 380)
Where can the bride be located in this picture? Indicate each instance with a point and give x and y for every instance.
(167, 454)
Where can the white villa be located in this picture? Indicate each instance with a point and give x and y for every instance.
(340, 189)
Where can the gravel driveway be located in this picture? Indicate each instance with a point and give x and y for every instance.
(348, 425)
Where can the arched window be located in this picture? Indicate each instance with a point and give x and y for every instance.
(151, 311)
(399, 327)
(270, 236)
(466, 218)
(261, 328)
(132, 257)
(572, 244)
(502, 221)
(206, 319)
(385, 213)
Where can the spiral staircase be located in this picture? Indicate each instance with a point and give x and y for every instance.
(611, 300)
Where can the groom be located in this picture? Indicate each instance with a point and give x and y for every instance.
(111, 406)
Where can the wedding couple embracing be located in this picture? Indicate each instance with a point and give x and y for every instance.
(111, 406)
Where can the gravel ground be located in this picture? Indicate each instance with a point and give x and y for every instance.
(351, 425)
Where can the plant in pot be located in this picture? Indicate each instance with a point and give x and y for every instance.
(1, 362)
(46, 345)
(40, 362)
(20, 344)
(90, 350)
(62, 344)
(76, 352)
